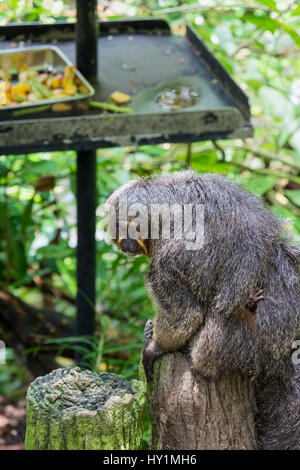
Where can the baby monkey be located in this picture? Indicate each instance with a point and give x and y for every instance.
(232, 303)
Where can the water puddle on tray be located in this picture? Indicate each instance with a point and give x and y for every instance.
(177, 98)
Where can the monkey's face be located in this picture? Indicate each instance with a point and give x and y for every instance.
(127, 230)
(132, 247)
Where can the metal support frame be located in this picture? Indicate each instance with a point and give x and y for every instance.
(86, 55)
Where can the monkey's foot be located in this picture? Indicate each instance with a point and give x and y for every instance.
(256, 297)
(150, 354)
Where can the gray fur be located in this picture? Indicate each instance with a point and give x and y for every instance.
(200, 294)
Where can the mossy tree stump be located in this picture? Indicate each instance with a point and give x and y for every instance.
(191, 412)
(73, 409)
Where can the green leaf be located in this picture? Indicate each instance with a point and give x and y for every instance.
(258, 184)
(269, 3)
(294, 196)
(26, 216)
(208, 163)
(263, 22)
(68, 276)
(44, 167)
(55, 251)
(269, 24)
(19, 257)
(254, 83)
(296, 12)
(3, 170)
(292, 32)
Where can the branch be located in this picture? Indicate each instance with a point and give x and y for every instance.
(267, 155)
(271, 196)
(267, 171)
(215, 6)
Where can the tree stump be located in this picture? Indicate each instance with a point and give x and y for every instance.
(190, 412)
(69, 409)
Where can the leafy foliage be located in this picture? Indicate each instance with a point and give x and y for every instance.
(258, 43)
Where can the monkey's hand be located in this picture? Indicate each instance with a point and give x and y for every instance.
(150, 354)
(256, 297)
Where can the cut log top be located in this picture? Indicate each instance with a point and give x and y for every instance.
(71, 389)
(74, 409)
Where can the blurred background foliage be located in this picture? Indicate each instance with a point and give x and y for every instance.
(258, 43)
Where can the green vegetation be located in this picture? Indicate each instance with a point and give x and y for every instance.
(258, 44)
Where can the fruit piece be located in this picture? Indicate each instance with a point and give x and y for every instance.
(20, 89)
(60, 93)
(23, 76)
(19, 98)
(55, 82)
(70, 89)
(83, 89)
(38, 88)
(2, 93)
(43, 77)
(68, 81)
(32, 98)
(69, 76)
(69, 71)
(119, 97)
(61, 107)
(109, 107)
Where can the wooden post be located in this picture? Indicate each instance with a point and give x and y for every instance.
(190, 412)
(73, 410)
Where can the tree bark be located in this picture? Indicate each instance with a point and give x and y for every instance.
(73, 410)
(190, 412)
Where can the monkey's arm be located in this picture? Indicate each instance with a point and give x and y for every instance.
(179, 314)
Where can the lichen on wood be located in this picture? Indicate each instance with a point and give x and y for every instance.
(74, 409)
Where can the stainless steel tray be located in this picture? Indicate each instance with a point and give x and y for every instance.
(41, 58)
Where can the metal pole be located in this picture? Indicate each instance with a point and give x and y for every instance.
(86, 245)
(87, 32)
(87, 45)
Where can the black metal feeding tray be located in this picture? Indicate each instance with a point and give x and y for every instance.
(143, 59)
